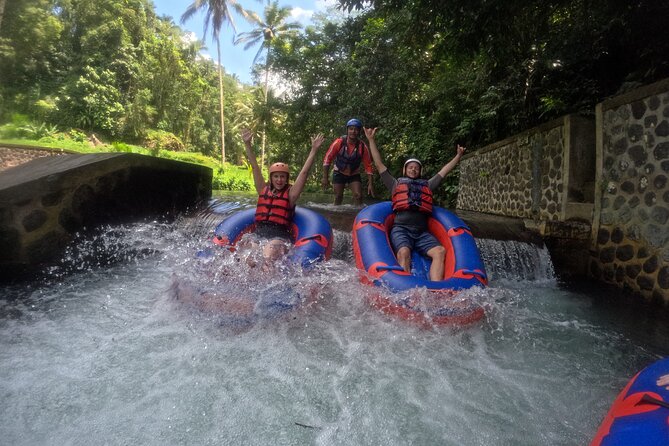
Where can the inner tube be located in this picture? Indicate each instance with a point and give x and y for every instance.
(311, 234)
(640, 414)
(463, 267)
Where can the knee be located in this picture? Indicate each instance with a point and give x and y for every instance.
(438, 253)
(404, 253)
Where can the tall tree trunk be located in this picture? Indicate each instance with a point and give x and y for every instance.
(264, 121)
(2, 11)
(222, 102)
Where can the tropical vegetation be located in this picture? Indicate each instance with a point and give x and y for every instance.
(429, 73)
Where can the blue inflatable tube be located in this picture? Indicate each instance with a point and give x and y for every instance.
(463, 267)
(639, 415)
(311, 234)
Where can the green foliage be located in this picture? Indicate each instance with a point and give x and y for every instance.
(77, 135)
(44, 109)
(56, 142)
(92, 101)
(430, 73)
(233, 182)
(232, 178)
(160, 139)
(121, 147)
(37, 131)
(10, 131)
(19, 119)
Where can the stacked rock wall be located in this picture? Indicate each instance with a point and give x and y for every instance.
(630, 229)
(525, 176)
(611, 177)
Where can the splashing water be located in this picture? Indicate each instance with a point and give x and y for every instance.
(103, 349)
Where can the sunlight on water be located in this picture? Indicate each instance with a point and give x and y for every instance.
(114, 346)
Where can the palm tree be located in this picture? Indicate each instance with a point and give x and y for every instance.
(2, 10)
(217, 12)
(265, 32)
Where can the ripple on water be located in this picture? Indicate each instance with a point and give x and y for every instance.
(96, 346)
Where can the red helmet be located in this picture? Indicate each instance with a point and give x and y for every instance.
(279, 167)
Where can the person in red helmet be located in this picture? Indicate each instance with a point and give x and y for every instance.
(277, 197)
(348, 153)
(412, 205)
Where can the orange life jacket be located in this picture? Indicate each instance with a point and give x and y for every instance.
(412, 194)
(274, 207)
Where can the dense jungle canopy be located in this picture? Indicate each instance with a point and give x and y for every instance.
(430, 73)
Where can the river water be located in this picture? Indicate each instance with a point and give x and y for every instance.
(110, 347)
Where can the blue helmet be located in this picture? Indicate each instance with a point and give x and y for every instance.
(354, 123)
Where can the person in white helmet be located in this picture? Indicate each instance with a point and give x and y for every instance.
(277, 197)
(412, 205)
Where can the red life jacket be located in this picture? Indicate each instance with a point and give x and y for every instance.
(274, 207)
(412, 194)
(345, 160)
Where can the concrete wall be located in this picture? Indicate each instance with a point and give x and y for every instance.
(630, 231)
(44, 201)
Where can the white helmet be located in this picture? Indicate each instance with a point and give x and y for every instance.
(411, 160)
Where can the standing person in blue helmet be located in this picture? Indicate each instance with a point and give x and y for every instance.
(348, 153)
(412, 205)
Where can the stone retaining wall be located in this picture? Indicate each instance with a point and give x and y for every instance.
(543, 174)
(605, 183)
(630, 229)
(45, 201)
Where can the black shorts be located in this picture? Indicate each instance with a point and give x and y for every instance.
(269, 230)
(339, 178)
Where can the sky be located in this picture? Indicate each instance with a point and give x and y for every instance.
(234, 59)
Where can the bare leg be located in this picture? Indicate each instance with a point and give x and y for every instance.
(339, 193)
(404, 258)
(274, 249)
(437, 254)
(356, 191)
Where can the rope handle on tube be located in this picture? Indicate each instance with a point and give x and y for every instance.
(647, 399)
(318, 238)
(475, 273)
(462, 273)
(389, 268)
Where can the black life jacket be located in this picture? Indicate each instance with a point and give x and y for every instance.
(344, 160)
(412, 194)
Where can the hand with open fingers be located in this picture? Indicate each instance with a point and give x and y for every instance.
(663, 381)
(317, 140)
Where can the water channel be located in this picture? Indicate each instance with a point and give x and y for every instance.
(102, 349)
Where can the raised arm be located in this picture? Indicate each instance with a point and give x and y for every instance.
(374, 151)
(452, 163)
(258, 180)
(298, 186)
